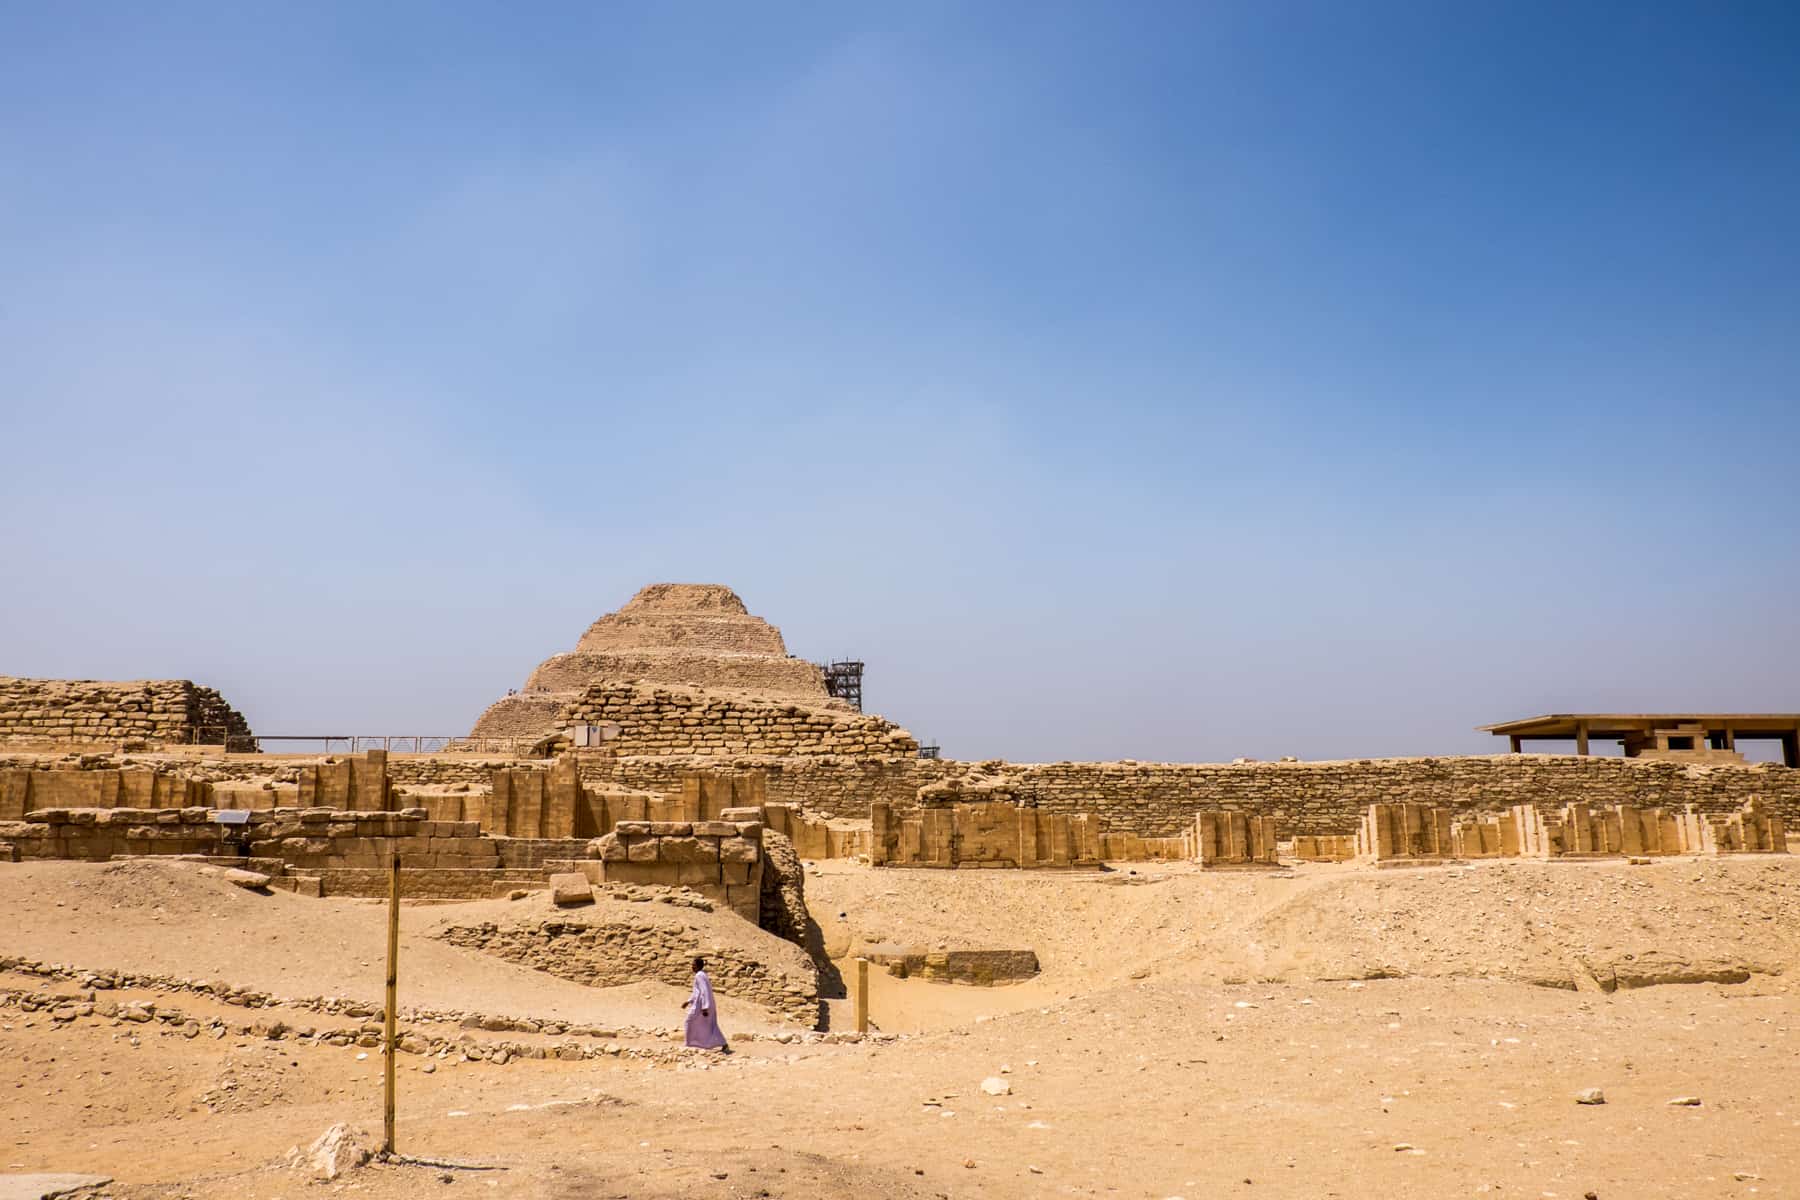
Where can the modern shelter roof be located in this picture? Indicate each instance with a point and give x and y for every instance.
(1566, 725)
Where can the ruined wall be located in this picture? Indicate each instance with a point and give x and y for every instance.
(77, 711)
(983, 835)
(1160, 799)
(1402, 833)
(721, 860)
(659, 720)
(1307, 798)
(978, 968)
(302, 839)
(833, 785)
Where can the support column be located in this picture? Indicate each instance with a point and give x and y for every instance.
(862, 995)
(1581, 741)
(1515, 743)
(1790, 748)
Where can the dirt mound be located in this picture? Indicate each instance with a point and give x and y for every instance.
(173, 919)
(167, 885)
(1564, 925)
(1592, 925)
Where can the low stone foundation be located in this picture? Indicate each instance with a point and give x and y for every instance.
(590, 947)
(981, 968)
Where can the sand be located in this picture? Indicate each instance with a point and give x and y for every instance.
(1334, 1031)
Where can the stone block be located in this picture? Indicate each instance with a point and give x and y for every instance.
(642, 849)
(697, 874)
(738, 850)
(688, 850)
(636, 872)
(570, 889)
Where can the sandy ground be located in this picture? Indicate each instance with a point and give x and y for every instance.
(1335, 1031)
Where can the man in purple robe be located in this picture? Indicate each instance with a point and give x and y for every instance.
(703, 1017)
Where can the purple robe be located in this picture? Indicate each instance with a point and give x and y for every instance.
(703, 1016)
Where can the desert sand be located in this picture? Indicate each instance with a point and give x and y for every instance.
(1326, 1031)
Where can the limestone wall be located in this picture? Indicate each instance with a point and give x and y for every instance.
(993, 834)
(721, 860)
(23, 789)
(89, 711)
(300, 839)
(1160, 799)
(1307, 798)
(834, 785)
(979, 968)
(1401, 833)
(659, 721)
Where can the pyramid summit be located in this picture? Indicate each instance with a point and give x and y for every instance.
(696, 635)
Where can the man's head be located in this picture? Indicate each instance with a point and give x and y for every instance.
(699, 964)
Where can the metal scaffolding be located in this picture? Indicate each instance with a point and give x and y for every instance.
(843, 679)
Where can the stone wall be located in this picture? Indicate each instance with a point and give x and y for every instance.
(90, 711)
(994, 834)
(1413, 833)
(23, 789)
(832, 785)
(302, 840)
(1160, 799)
(669, 720)
(722, 860)
(979, 968)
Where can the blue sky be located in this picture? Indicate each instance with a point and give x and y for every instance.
(1177, 382)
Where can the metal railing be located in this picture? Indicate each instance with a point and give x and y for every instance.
(354, 743)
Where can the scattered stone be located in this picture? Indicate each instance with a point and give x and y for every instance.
(1686, 1101)
(339, 1149)
(1590, 1096)
(993, 1085)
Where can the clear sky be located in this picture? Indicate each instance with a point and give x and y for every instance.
(1119, 380)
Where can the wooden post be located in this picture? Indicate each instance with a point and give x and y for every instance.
(1581, 737)
(1515, 743)
(862, 995)
(393, 979)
